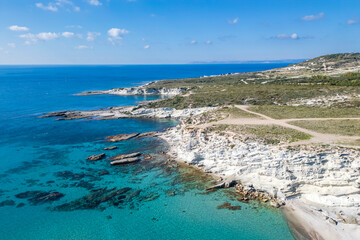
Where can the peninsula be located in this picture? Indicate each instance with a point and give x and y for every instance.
(291, 134)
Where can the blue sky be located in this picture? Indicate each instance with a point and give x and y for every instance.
(174, 31)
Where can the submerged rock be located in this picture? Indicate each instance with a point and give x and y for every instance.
(69, 175)
(40, 197)
(228, 206)
(111, 148)
(104, 172)
(121, 137)
(96, 157)
(125, 161)
(95, 198)
(7, 203)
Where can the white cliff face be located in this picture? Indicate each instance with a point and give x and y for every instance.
(145, 91)
(326, 179)
(133, 112)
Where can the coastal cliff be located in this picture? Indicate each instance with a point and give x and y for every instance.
(143, 90)
(316, 179)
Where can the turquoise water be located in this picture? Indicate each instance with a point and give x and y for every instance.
(159, 200)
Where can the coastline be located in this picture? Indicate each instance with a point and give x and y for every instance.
(317, 205)
(307, 220)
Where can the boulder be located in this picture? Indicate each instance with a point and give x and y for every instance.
(110, 148)
(123, 156)
(222, 185)
(125, 161)
(96, 157)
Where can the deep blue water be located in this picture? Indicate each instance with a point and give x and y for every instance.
(41, 154)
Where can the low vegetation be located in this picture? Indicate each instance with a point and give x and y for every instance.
(286, 112)
(260, 94)
(340, 127)
(269, 134)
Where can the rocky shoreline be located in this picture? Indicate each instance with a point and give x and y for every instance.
(129, 112)
(135, 91)
(319, 185)
(315, 185)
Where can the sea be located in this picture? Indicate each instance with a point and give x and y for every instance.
(48, 190)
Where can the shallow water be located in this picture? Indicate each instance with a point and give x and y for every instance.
(165, 201)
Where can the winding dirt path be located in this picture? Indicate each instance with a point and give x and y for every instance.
(266, 120)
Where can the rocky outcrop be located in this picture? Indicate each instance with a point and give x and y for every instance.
(138, 91)
(123, 156)
(96, 157)
(110, 148)
(121, 137)
(326, 178)
(130, 112)
(125, 161)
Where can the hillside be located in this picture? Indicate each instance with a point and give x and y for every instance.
(305, 81)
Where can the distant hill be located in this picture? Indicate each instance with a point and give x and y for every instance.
(331, 62)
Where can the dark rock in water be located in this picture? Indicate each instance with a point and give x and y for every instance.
(104, 172)
(146, 134)
(96, 157)
(110, 148)
(40, 197)
(150, 197)
(228, 206)
(222, 185)
(121, 137)
(123, 156)
(148, 157)
(20, 205)
(109, 217)
(94, 199)
(48, 182)
(84, 184)
(70, 175)
(7, 203)
(125, 161)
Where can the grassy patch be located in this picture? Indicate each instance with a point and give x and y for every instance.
(341, 127)
(268, 134)
(284, 112)
(252, 94)
(234, 112)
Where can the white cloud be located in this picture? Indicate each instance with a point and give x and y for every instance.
(313, 17)
(18, 28)
(68, 34)
(234, 21)
(45, 36)
(92, 35)
(30, 38)
(193, 42)
(153, 15)
(83, 47)
(116, 34)
(352, 21)
(293, 36)
(147, 46)
(49, 7)
(208, 42)
(54, 6)
(95, 2)
(11, 45)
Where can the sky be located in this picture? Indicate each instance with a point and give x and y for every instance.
(174, 31)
